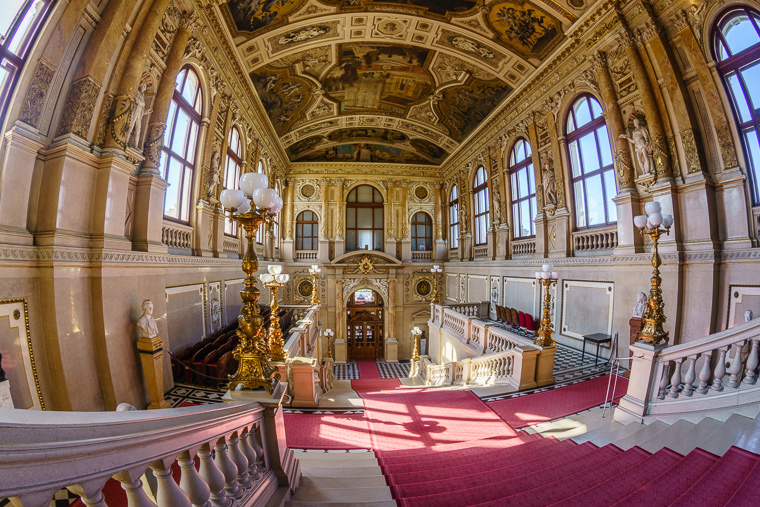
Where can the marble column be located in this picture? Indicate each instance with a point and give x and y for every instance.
(324, 226)
(340, 206)
(391, 332)
(286, 224)
(439, 244)
(79, 108)
(406, 237)
(560, 226)
(540, 219)
(154, 141)
(656, 128)
(130, 79)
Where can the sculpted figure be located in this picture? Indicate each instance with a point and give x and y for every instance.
(549, 182)
(138, 113)
(747, 318)
(214, 174)
(642, 145)
(641, 305)
(146, 323)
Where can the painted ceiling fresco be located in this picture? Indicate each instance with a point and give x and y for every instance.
(393, 81)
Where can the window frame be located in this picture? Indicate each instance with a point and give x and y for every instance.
(578, 133)
(13, 62)
(513, 172)
(300, 236)
(480, 215)
(180, 103)
(454, 229)
(231, 227)
(734, 64)
(355, 207)
(428, 228)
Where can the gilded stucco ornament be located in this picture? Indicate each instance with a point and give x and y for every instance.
(34, 99)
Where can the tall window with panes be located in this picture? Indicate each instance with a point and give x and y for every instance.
(481, 205)
(522, 179)
(454, 218)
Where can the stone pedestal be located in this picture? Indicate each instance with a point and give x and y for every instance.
(629, 239)
(149, 214)
(391, 350)
(281, 460)
(287, 250)
(341, 351)
(5, 394)
(559, 234)
(205, 217)
(152, 359)
(340, 247)
(545, 366)
(406, 250)
(633, 405)
(305, 381)
(390, 247)
(323, 250)
(635, 324)
(441, 251)
(18, 162)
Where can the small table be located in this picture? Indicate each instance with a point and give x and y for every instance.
(595, 338)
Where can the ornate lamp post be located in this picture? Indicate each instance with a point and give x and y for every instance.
(273, 281)
(329, 334)
(546, 277)
(314, 271)
(436, 270)
(250, 207)
(416, 333)
(654, 313)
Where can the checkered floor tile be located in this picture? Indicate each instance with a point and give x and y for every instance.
(347, 371)
(567, 358)
(182, 393)
(393, 370)
(62, 498)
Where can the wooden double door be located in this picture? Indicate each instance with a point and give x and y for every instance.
(365, 332)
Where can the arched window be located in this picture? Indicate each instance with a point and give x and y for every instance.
(523, 181)
(19, 26)
(422, 232)
(454, 218)
(180, 143)
(737, 49)
(364, 219)
(481, 205)
(591, 163)
(307, 227)
(232, 171)
(260, 232)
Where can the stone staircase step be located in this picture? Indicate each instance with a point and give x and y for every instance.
(319, 495)
(613, 436)
(608, 428)
(383, 503)
(308, 464)
(341, 472)
(661, 439)
(342, 482)
(646, 432)
(726, 435)
(332, 456)
(572, 426)
(687, 442)
(750, 439)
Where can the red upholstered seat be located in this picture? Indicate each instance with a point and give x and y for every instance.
(521, 321)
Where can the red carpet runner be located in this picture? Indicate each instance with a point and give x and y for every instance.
(549, 405)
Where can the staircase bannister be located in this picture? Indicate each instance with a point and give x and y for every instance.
(714, 372)
(43, 452)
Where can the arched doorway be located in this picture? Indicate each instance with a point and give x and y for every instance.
(364, 325)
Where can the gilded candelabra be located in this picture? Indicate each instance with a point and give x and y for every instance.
(274, 280)
(416, 333)
(329, 334)
(654, 313)
(547, 277)
(250, 207)
(436, 270)
(314, 271)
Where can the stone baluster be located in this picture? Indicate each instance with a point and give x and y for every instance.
(168, 493)
(675, 380)
(664, 381)
(720, 370)
(690, 376)
(228, 468)
(239, 459)
(91, 493)
(736, 365)
(250, 454)
(191, 483)
(133, 487)
(750, 376)
(257, 447)
(704, 374)
(211, 474)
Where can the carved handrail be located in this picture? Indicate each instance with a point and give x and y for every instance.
(524, 247)
(231, 245)
(301, 338)
(595, 239)
(307, 255)
(422, 255)
(480, 251)
(177, 235)
(42, 452)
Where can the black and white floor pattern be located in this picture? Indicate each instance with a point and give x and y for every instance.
(346, 371)
(195, 395)
(393, 370)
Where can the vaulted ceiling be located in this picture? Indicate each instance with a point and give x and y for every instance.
(397, 81)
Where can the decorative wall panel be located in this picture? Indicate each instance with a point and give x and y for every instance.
(18, 357)
(741, 299)
(186, 315)
(586, 308)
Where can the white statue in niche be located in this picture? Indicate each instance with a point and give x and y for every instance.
(138, 113)
(642, 145)
(747, 315)
(641, 305)
(146, 323)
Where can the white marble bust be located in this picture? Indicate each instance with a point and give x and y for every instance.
(641, 305)
(747, 315)
(146, 323)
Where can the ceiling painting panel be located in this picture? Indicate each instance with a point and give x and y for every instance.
(464, 107)
(525, 28)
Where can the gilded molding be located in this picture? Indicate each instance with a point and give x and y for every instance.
(689, 142)
(726, 142)
(36, 94)
(80, 107)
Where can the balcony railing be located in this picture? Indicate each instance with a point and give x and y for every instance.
(306, 255)
(177, 236)
(421, 255)
(523, 247)
(595, 239)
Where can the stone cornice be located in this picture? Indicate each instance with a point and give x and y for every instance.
(58, 255)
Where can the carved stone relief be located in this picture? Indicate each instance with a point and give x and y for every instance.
(36, 94)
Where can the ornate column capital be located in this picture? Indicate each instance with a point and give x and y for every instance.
(188, 21)
(598, 60)
(625, 38)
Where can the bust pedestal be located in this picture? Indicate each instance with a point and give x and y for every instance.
(635, 325)
(341, 351)
(152, 359)
(391, 350)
